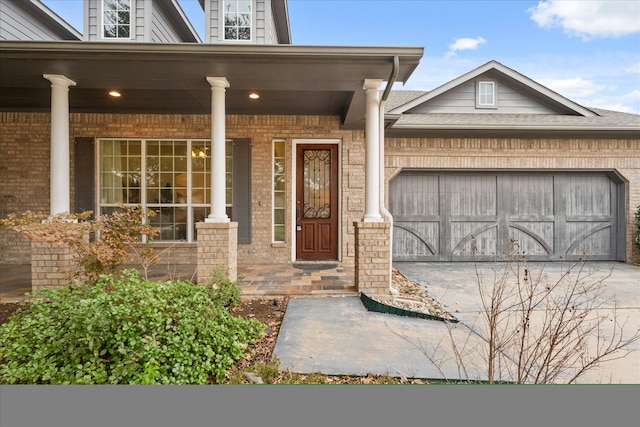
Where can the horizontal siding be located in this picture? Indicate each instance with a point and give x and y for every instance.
(462, 99)
(16, 23)
(161, 29)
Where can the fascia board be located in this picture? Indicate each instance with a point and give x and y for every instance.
(64, 27)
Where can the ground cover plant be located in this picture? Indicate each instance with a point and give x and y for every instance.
(124, 330)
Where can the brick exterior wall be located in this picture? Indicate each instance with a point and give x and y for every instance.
(620, 155)
(52, 264)
(217, 249)
(24, 176)
(24, 166)
(373, 256)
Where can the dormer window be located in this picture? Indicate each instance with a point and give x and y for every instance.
(237, 20)
(486, 94)
(116, 19)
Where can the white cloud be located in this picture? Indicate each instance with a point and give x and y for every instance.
(575, 87)
(633, 69)
(589, 19)
(464, 44)
(626, 103)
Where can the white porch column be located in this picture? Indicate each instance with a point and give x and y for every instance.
(60, 191)
(218, 144)
(372, 158)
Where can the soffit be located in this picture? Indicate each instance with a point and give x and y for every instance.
(171, 78)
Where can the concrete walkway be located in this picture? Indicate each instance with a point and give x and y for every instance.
(338, 336)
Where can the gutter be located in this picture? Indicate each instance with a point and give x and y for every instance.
(383, 209)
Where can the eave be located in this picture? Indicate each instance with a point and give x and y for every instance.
(171, 78)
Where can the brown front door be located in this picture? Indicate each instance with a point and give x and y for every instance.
(317, 201)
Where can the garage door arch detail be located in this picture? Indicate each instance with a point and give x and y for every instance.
(447, 216)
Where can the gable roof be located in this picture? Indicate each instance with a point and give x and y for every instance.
(174, 11)
(42, 15)
(516, 79)
(403, 116)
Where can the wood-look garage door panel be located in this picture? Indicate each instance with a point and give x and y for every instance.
(420, 239)
(465, 216)
(534, 238)
(469, 236)
(590, 239)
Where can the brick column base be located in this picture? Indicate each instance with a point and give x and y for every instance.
(373, 256)
(217, 249)
(52, 264)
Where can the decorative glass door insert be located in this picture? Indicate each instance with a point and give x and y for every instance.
(317, 202)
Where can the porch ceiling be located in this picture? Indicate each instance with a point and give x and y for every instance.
(170, 78)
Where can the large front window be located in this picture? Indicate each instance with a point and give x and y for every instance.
(116, 19)
(237, 19)
(170, 177)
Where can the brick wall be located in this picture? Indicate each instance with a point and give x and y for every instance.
(52, 264)
(373, 254)
(217, 249)
(25, 185)
(24, 175)
(621, 155)
(24, 165)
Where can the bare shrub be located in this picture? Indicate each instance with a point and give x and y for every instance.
(537, 329)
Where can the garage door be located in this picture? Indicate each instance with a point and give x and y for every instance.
(546, 216)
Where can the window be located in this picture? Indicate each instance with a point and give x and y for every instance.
(237, 19)
(170, 177)
(279, 190)
(486, 96)
(116, 17)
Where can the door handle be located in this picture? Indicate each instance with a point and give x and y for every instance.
(298, 227)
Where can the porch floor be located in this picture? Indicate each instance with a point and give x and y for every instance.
(297, 279)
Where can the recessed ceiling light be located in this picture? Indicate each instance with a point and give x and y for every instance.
(254, 95)
(115, 93)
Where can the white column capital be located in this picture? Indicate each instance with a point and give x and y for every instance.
(221, 82)
(59, 80)
(372, 84)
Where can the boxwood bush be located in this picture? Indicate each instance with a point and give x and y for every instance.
(123, 331)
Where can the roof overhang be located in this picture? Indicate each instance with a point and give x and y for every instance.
(560, 132)
(171, 78)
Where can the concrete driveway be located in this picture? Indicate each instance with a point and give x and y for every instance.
(338, 336)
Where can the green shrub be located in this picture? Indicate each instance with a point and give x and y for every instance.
(224, 291)
(123, 331)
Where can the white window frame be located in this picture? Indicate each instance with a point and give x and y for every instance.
(189, 205)
(273, 192)
(131, 23)
(222, 32)
(480, 85)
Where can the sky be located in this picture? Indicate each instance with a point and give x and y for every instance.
(587, 50)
